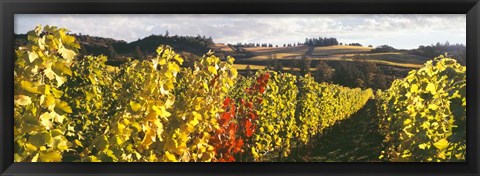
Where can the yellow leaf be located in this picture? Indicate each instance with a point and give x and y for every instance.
(66, 53)
(60, 80)
(161, 111)
(162, 61)
(78, 143)
(234, 72)
(49, 73)
(414, 88)
(431, 88)
(441, 144)
(46, 120)
(432, 107)
(67, 39)
(135, 106)
(169, 102)
(28, 86)
(22, 100)
(197, 115)
(61, 105)
(194, 122)
(60, 143)
(422, 146)
(270, 128)
(57, 93)
(59, 118)
(212, 70)
(230, 60)
(60, 67)
(170, 157)
(202, 148)
(32, 55)
(149, 138)
(255, 154)
(49, 101)
(173, 67)
(151, 116)
(30, 147)
(179, 59)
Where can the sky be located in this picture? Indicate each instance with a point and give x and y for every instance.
(398, 30)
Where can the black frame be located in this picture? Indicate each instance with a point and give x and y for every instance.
(10, 7)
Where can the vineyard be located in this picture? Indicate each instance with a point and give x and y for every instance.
(71, 109)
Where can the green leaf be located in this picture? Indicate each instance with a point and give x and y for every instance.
(50, 156)
(39, 139)
(101, 143)
(91, 159)
(56, 132)
(59, 142)
(60, 67)
(68, 40)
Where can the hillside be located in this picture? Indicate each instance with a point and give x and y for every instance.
(119, 50)
(321, 59)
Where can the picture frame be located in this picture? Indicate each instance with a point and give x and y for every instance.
(11, 7)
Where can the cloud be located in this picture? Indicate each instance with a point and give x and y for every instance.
(398, 30)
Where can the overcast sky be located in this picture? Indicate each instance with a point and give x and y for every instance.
(400, 31)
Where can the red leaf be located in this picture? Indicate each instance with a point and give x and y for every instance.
(252, 116)
(262, 89)
(250, 105)
(226, 102)
(248, 128)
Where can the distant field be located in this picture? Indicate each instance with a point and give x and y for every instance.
(394, 57)
(222, 47)
(336, 53)
(377, 61)
(263, 53)
(267, 50)
(330, 50)
(244, 66)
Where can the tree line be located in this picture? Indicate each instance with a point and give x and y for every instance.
(359, 73)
